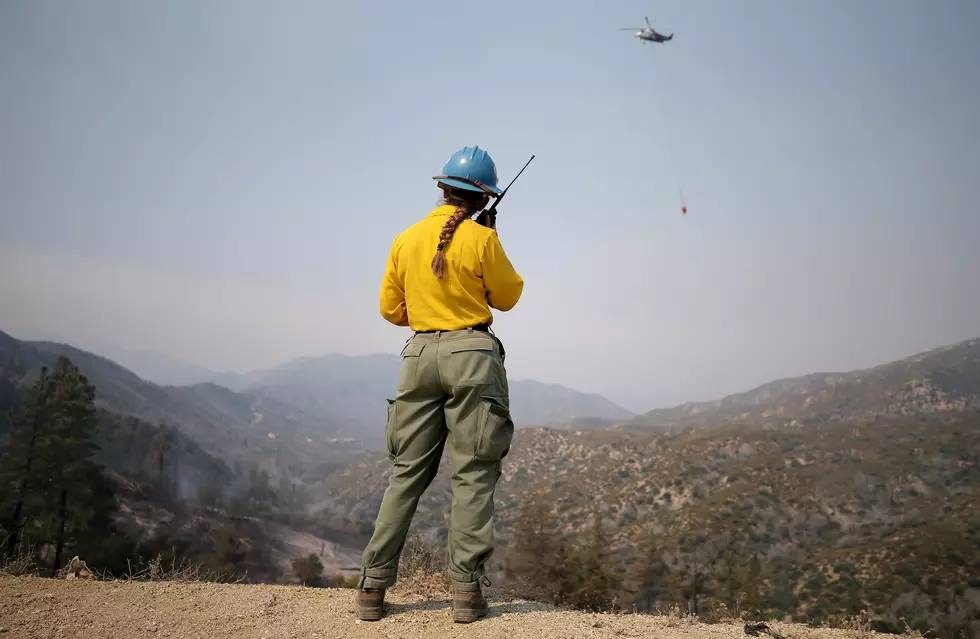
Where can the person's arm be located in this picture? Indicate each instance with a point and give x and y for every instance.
(503, 284)
(392, 296)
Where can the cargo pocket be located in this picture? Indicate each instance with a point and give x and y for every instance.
(496, 429)
(391, 426)
(476, 361)
(410, 365)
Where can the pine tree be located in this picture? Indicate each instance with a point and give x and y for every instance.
(535, 558)
(596, 584)
(74, 426)
(20, 460)
(727, 580)
(650, 578)
(696, 565)
(60, 494)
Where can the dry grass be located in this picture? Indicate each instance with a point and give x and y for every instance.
(911, 633)
(423, 570)
(860, 624)
(22, 563)
(676, 616)
(158, 569)
(422, 556)
(720, 613)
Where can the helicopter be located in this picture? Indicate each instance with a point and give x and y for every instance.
(648, 34)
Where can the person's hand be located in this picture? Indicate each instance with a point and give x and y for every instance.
(487, 219)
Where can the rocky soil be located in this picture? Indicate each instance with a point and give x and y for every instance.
(32, 607)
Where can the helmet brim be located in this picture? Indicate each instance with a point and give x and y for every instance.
(467, 186)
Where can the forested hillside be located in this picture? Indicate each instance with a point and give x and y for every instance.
(874, 509)
(806, 499)
(77, 477)
(189, 466)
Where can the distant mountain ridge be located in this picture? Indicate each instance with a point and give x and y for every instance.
(334, 403)
(941, 380)
(152, 366)
(230, 425)
(355, 387)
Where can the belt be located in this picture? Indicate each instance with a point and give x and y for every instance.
(483, 328)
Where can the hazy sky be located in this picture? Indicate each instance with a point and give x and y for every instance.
(221, 180)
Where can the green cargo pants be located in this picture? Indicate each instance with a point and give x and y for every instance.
(452, 389)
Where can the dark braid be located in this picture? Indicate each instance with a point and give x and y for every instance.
(466, 205)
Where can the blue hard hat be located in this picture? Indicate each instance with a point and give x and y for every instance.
(472, 169)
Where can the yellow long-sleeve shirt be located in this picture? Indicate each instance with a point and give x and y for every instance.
(478, 277)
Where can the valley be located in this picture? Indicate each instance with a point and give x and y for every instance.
(803, 499)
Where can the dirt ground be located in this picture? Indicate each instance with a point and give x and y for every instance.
(32, 607)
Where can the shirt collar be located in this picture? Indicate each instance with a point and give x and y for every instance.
(442, 211)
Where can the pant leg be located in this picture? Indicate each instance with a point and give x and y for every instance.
(480, 433)
(415, 435)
